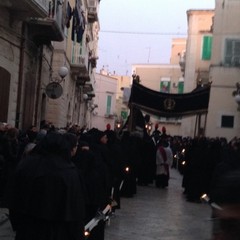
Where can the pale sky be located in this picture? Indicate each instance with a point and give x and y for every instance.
(140, 31)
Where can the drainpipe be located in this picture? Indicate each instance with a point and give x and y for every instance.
(38, 85)
(20, 76)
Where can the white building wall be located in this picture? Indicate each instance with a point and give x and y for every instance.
(105, 85)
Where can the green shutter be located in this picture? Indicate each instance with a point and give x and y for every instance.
(109, 103)
(180, 87)
(124, 115)
(207, 48)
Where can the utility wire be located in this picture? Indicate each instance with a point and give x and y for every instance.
(143, 33)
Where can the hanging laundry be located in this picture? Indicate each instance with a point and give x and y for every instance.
(78, 25)
(69, 13)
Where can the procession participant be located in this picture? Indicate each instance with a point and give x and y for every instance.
(10, 151)
(225, 194)
(97, 168)
(48, 199)
(164, 159)
(156, 135)
(117, 159)
(130, 146)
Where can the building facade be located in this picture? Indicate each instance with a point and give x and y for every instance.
(47, 60)
(196, 62)
(223, 116)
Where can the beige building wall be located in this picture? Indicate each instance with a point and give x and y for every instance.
(224, 73)
(196, 69)
(178, 49)
(121, 107)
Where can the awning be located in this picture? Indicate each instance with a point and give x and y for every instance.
(170, 105)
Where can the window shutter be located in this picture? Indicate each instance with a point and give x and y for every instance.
(207, 48)
(228, 51)
(109, 103)
(180, 87)
(232, 52)
(237, 53)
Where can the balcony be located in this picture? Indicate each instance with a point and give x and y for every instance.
(79, 65)
(93, 58)
(110, 115)
(26, 8)
(93, 6)
(49, 28)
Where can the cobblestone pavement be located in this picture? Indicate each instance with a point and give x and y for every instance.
(152, 214)
(160, 214)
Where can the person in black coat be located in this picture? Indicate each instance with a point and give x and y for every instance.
(224, 191)
(48, 197)
(117, 162)
(93, 160)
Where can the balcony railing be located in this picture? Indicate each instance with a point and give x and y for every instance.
(26, 8)
(49, 28)
(79, 62)
(41, 4)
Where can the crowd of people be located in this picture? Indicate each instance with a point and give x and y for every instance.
(55, 181)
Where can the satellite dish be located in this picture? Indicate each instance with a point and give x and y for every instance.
(54, 90)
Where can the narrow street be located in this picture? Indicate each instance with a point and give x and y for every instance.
(160, 214)
(152, 214)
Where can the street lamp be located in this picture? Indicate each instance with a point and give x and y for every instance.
(62, 72)
(54, 90)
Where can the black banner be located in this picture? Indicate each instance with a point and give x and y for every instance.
(170, 105)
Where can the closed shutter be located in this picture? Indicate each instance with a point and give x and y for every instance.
(180, 87)
(109, 103)
(228, 52)
(207, 48)
(232, 52)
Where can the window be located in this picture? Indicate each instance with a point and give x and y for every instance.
(232, 52)
(109, 104)
(207, 48)
(165, 85)
(227, 121)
